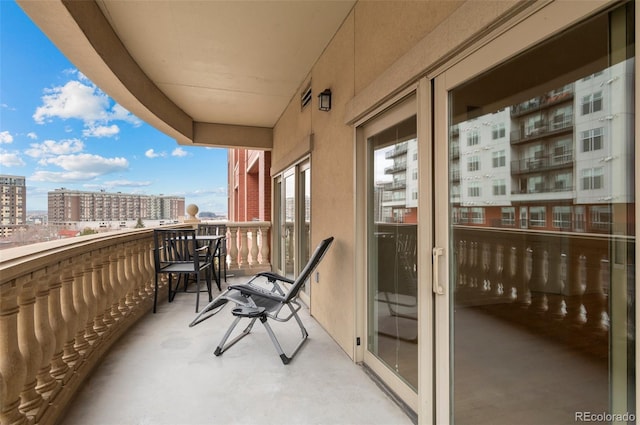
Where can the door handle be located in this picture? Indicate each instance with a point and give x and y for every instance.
(437, 288)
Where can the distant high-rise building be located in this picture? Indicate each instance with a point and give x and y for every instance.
(69, 206)
(13, 204)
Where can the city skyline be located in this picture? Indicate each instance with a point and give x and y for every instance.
(58, 129)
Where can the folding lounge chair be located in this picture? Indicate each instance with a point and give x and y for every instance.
(264, 297)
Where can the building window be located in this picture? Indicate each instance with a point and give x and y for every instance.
(562, 217)
(499, 187)
(579, 219)
(535, 184)
(601, 217)
(464, 215)
(562, 181)
(508, 216)
(474, 163)
(592, 178)
(474, 189)
(562, 117)
(498, 131)
(592, 103)
(591, 140)
(473, 138)
(537, 216)
(477, 215)
(499, 159)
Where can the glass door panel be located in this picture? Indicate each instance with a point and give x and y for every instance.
(288, 225)
(542, 235)
(392, 292)
(305, 221)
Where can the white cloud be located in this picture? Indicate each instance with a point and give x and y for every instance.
(118, 112)
(150, 153)
(127, 183)
(5, 137)
(32, 136)
(179, 152)
(51, 147)
(81, 99)
(91, 165)
(101, 131)
(11, 159)
(73, 100)
(61, 176)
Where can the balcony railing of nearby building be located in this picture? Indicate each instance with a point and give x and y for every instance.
(544, 163)
(537, 103)
(64, 303)
(541, 129)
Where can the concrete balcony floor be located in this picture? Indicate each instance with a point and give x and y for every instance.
(163, 372)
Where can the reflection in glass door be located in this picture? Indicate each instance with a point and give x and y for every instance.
(392, 285)
(542, 263)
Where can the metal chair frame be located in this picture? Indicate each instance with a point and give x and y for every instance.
(264, 297)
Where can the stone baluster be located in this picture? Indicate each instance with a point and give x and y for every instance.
(485, 267)
(555, 286)
(70, 315)
(116, 285)
(497, 271)
(462, 262)
(538, 279)
(511, 273)
(149, 266)
(574, 289)
(595, 299)
(254, 247)
(31, 400)
(264, 245)
(122, 278)
(98, 291)
(47, 385)
(59, 368)
(82, 312)
(90, 299)
(107, 288)
(233, 247)
(525, 261)
(13, 369)
(474, 264)
(244, 250)
(130, 283)
(137, 271)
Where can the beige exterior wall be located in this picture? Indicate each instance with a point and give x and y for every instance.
(386, 30)
(370, 40)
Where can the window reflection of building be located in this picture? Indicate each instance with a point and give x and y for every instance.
(552, 156)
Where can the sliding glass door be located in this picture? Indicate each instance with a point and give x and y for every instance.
(538, 222)
(392, 245)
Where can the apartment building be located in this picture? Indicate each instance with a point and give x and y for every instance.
(13, 204)
(70, 206)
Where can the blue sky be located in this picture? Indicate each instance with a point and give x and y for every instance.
(59, 130)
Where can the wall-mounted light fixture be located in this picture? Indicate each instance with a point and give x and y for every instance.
(324, 100)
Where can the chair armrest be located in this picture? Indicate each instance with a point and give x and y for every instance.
(252, 290)
(274, 276)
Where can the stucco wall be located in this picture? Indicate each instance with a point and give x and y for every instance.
(385, 30)
(375, 37)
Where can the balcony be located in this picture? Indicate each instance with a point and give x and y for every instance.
(81, 306)
(542, 163)
(540, 130)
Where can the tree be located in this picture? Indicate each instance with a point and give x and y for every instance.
(88, 231)
(139, 224)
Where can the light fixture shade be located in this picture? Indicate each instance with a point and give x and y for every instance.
(324, 100)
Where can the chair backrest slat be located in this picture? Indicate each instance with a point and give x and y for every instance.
(313, 262)
(175, 245)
